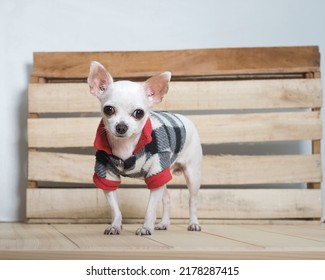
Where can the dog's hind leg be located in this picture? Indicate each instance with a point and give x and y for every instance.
(190, 160)
(165, 221)
(193, 179)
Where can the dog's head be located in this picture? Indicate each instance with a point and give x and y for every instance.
(126, 105)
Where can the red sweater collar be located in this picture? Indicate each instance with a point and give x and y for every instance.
(102, 144)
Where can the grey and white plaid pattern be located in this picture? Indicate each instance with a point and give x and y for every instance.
(168, 137)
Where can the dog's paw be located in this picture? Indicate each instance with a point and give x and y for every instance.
(143, 231)
(194, 227)
(161, 226)
(113, 230)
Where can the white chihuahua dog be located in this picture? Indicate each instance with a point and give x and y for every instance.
(134, 141)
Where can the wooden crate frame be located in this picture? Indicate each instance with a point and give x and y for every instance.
(273, 84)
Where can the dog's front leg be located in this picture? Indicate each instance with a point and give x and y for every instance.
(149, 221)
(116, 226)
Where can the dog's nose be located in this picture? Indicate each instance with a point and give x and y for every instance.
(121, 128)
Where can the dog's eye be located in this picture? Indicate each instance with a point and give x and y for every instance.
(109, 110)
(138, 114)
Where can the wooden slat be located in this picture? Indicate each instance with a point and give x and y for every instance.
(213, 129)
(180, 62)
(62, 132)
(264, 236)
(32, 237)
(92, 238)
(213, 203)
(217, 129)
(61, 97)
(237, 170)
(217, 170)
(181, 238)
(306, 232)
(250, 94)
(255, 94)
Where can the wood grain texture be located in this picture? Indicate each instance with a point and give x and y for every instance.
(15, 236)
(251, 94)
(174, 254)
(90, 236)
(216, 170)
(180, 62)
(213, 203)
(213, 242)
(62, 132)
(302, 231)
(269, 236)
(213, 129)
(184, 239)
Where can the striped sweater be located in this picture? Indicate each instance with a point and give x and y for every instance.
(162, 139)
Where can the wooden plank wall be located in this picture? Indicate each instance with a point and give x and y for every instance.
(234, 96)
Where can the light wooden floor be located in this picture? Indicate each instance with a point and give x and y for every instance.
(86, 241)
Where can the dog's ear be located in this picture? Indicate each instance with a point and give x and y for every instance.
(157, 86)
(98, 79)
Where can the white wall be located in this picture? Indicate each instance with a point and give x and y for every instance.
(107, 25)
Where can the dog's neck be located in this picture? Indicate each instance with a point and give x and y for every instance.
(123, 148)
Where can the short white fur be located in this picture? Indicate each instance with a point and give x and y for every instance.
(123, 131)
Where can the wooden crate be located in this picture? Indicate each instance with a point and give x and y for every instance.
(240, 97)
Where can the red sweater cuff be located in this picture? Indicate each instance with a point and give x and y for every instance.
(105, 184)
(159, 179)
